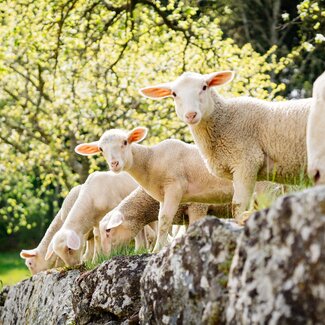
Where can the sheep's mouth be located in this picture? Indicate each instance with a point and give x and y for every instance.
(193, 122)
(116, 169)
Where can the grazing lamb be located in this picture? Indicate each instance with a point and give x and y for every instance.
(172, 172)
(316, 133)
(138, 209)
(243, 139)
(101, 192)
(35, 258)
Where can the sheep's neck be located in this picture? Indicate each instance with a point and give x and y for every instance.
(85, 213)
(213, 126)
(141, 158)
(50, 232)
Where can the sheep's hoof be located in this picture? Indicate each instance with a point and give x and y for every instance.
(242, 219)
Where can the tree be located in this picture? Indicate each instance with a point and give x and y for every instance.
(296, 29)
(70, 69)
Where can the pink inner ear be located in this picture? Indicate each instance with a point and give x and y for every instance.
(87, 149)
(28, 253)
(221, 78)
(115, 220)
(137, 135)
(73, 241)
(156, 92)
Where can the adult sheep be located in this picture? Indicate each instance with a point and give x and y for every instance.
(244, 139)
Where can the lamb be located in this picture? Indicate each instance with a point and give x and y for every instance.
(243, 139)
(172, 172)
(138, 209)
(316, 133)
(101, 192)
(35, 258)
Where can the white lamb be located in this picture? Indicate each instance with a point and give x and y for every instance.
(316, 133)
(172, 172)
(139, 209)
(35, 258)
(243, 139)
(101, 192)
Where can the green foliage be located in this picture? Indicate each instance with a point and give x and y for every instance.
(70, 69)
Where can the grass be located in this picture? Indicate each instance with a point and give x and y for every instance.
(119, 251)
(265, 199)
(12, 268)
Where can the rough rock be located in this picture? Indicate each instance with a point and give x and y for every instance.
(186, 283)
(110, 294)
(278, 271)
(37, 301)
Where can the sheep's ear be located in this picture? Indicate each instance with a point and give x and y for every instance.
(49, 252)
(219, 78)
(73, 240)
(87, 149)
(114, 221)
(137, 134)
(27, 253)
(157, 92)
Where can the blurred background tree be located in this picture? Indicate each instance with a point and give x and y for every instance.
(70, 69)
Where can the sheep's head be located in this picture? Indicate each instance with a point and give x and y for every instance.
(115, 146)
(191, 93)
(33, 260)
(113, 231)
(68, 245)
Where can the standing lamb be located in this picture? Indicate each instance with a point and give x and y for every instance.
(139, 209)
(316, 133)
(172, 172)
(35, 258)
(101, 192)
(243, 139)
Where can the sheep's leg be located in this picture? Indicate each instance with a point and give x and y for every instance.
(244, 182)
(166, 215)
(89, 253)
(97, 244)
(150, 232)
(140, 240)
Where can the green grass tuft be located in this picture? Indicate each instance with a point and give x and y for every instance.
(119, 251)
(265, 200)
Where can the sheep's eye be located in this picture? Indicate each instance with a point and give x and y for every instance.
(101, 149)
(204, 87)
(107, 232)
(125, 142)
(174, 94)
(69, 250)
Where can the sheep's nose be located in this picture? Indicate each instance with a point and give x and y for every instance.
(190, 116)
(115, 163)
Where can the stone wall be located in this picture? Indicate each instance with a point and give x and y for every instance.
(271, 272)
